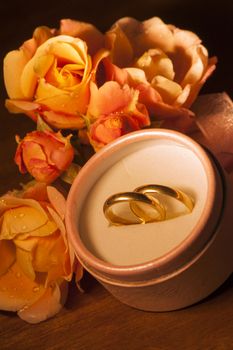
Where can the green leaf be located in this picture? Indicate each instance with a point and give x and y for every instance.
(42, 125)
(70, 174)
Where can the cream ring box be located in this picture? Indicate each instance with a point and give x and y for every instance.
(158, 266)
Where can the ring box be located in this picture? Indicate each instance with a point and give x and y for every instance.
(159, 266)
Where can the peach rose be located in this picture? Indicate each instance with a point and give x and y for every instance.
(50, 74)
(36, 260)
(44, 154)
(114, 111)
(167, 65)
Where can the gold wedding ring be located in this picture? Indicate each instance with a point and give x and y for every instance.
(168, 191)
(156, 212)
(144, 205)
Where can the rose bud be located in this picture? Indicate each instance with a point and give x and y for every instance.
(44, 154)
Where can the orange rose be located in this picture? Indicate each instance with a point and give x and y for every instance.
(167, 65)
(36, 260)
(50, 74)
(114, 111)
(45, 155)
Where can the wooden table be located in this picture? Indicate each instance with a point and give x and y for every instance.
(95, 320)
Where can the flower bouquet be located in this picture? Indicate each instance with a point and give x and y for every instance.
(83, 89)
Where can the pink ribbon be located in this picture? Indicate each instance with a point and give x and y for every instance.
(214, 120)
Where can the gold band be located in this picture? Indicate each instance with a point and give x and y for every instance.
(133, 198)
(169, 191)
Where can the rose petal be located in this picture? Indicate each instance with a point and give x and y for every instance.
(109, 98)
(8, 201)
(42, 64)
(64, 121)
(85, 31)
(7, 251)
(199, 63)
(196, 88)
(13, 66)
(168, 89)
(42, 171)
(184, 38)
(183, 96)
(72, 54)
(29, 80)
(135, 76)
(58, 100)
(42, 34)
(57, 200)
(49, 304)
(66, 78)
(17, 290)
(44, 258)
(148, 34)
(68, 263)
(27, 244)
(79, 272)
(61, 267)
(21, 220)
(36, 190)
(112, 72)
(24, 260)
(29, 108)
(155, 62)
(29, 48)
(45, 230)
(120, 46)
(29, 149)
(62, 157)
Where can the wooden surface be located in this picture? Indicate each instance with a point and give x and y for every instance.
(95, 320)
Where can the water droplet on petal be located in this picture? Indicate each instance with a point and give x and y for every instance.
(21, 215)
(18, 274)
(24, 227)
(24, 308)
(36, 289)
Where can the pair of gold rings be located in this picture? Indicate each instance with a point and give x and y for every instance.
(143, 204)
